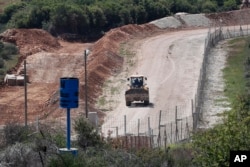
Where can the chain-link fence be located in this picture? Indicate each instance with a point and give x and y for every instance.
(180, 129)
(213, 37)
(152, 131)
(123, 135)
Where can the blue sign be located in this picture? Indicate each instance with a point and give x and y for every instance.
(69, 92)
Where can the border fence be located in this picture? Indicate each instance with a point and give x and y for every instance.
(182, 127)
(213, 37)
(165, 132)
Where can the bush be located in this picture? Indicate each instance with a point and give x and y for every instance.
(14, 132)
(1, 62)
(8, 50)
(1, 46)
(87, 136)
(2, 72)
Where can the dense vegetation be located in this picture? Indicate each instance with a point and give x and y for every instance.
(8, 58)
(91, 18)
(26, 146)
(213, 146)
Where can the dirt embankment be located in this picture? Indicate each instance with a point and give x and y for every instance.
(50, 58)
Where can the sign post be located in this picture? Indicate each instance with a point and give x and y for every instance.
(69, 91)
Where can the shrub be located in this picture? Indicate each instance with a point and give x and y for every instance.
(1, 62)
(14, 132)
(87, 136)
(8, 50)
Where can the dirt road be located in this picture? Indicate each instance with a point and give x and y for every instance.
(171, 62)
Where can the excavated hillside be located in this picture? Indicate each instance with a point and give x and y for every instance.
(49, 58)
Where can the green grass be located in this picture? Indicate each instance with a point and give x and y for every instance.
(234, 73)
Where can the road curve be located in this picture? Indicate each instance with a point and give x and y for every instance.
(171, 62)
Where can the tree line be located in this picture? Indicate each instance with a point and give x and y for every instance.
(91, 18)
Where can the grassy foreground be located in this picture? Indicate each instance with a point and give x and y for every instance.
(212, 147)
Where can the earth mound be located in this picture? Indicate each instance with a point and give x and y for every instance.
(30, 41)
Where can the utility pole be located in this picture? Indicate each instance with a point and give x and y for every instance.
(25, 95)
(86, 52)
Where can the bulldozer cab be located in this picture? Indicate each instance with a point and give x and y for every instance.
(137, 81)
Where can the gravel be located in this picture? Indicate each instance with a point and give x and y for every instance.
(182, 20)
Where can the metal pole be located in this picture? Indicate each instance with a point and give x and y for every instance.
(149, 133)
(171, 132)
(86, 83)
(68, 128)
(149, 129)
(138, 127)
(139, 141)
(116, 128)
(125, 130)
(25, 95)
(159, 127)
(176, 126)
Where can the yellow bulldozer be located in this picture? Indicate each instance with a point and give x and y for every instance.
(137, 90)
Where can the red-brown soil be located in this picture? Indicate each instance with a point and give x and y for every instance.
(43, 96)
(51, 58)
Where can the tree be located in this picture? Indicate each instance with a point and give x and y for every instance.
(97, 16)
(69, 19)
(209, 6)
(230, 5)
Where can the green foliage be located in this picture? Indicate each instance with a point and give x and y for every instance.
(230, 5)
(209, 6)
(89, 18)
(14, 132)
(7, 51)
(87, 135)
(212, 147)
(10, 10)
(182, 6)
(8, 57)
(155, 157)
(1, 46)
(1, 64)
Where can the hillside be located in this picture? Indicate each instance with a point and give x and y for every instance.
(49, 58)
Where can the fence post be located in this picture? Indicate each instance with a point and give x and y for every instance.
(125, 128)
(152, 138)
(149, 132)
(138, 129)
(159, 128)
(181, 129)
(37, 123)
(193, 115)
(176, 124)
(188, 135)
(165, 139)
(139, 134)
(116, 129)
(171, 132)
